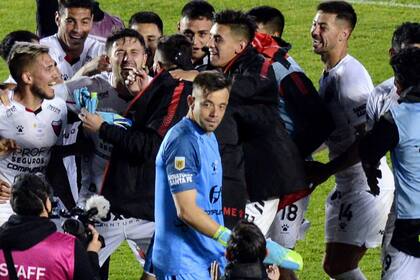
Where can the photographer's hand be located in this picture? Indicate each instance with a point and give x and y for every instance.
(94, 245)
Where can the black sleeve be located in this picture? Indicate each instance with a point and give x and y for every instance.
(254, 104)
(86, 264)
(131, 141)
(377, 142)
(45, 17)
(312, 120)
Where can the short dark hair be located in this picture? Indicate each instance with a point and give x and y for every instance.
(124, 33)
(342, 9)
(175, 50)
(65, 4)
(239, 22)
(29, 194)
(271, 17)
(21, 55)
(16, 36)
(406, 66)
(247, 244)
(210, 81)
(196, 9)
(146, 17)
(406, 34)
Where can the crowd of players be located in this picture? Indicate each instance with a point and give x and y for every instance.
(90, 106)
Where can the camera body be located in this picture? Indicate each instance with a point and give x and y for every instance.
(77, 223)
(78, 220)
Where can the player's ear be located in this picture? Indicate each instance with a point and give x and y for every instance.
(178, 26)
(57, 18)
(392, 52)
(190, 100)
(27, 77)
(241, 46)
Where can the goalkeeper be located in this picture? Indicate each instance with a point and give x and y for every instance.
(188, 202)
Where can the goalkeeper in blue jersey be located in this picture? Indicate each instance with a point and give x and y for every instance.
(188, 202)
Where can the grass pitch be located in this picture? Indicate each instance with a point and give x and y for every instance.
(369, 43)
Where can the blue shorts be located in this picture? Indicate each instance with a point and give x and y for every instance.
(202, 275)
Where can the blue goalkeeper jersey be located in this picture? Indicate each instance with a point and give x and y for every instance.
(188, 159)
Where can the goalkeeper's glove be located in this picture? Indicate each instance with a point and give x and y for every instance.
(85, 99)
(222, 235)
(283, 257)
(115, 119)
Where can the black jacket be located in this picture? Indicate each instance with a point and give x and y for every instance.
(20, 233)
(129, 182)
(245, 271)
(312, 121)
(257, 154)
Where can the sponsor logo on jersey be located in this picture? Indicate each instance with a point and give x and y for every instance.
(56, 125)
(179, 163)
(10, 111)
(53, 109)
(180, 178)
(215, 193)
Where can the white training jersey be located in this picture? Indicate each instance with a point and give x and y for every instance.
(34, 132)
(382, 98)
(92, 48)
(93, 166)
(345, 90)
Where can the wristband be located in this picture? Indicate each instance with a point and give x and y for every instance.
(222, 235)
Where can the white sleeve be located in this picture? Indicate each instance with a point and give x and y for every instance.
(354, 90)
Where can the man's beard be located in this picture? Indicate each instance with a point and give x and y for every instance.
(39, 92)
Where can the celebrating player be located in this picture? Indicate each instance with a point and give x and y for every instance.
(33, 121)
(345, 87)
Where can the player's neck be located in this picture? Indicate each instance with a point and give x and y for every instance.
(333, 57)
(71, 53)
(122, 90)
(25, 97)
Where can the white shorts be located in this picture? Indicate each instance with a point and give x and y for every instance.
(357, 218)
(262, 213)
(398, 265)
(137, 232)
(5, 212)
(289, 224)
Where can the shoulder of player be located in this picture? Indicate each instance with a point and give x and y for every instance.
(181, 136)
(51, 42)
(351, 70)
(56, 105)
(4, 108)
(94, 45)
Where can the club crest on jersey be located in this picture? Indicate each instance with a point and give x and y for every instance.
(179, 163)
(56, 125)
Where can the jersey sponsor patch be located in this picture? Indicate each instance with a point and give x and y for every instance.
(180, 178)
(179, 163)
